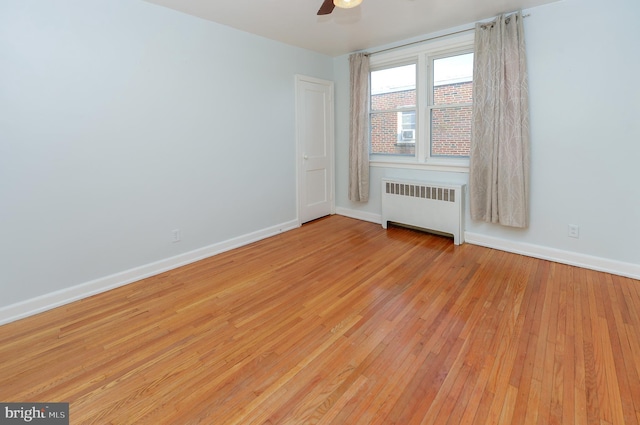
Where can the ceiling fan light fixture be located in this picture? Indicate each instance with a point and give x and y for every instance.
(346, 4)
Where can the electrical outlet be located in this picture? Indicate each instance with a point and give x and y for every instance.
(175, 235)
(574, 231)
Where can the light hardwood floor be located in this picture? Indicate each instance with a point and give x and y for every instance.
(341, 322)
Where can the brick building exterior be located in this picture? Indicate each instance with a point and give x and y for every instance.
(450, 127)
(384, 126)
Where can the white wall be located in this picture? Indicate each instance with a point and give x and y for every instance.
(584, 93)
(121, 121)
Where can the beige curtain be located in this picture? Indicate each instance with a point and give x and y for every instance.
(499, 164)
(359, 128)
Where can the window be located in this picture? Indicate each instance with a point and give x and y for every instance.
(420, 106)
(450, 109)
(393, 111)
(407, 127)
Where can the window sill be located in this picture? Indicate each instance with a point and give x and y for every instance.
(451, 168)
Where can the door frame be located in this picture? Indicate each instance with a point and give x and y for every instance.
(300, 143)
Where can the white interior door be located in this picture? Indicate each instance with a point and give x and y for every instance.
(314, 128)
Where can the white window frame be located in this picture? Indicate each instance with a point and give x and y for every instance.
(422, 55)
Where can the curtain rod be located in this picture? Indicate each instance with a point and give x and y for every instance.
(429, 39)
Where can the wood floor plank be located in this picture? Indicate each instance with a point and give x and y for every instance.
(341, 322)
(579, 386)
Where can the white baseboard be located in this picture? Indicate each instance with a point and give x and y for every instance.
(530, 250)
(556, 255)
(55, 299)
(360, 215)
(65, 296)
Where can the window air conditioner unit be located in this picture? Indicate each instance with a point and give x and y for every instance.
(408, 135)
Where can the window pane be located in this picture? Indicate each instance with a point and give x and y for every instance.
(453, 79)
(451, 132)
(393, 88)
(391, 134)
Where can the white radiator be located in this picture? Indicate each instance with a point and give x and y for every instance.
(433, 206)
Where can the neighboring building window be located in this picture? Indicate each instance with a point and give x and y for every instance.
(407, 127)
(421, 104)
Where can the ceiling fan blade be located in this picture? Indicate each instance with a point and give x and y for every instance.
(326, 8)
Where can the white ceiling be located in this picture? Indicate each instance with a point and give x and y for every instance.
(373, 23)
